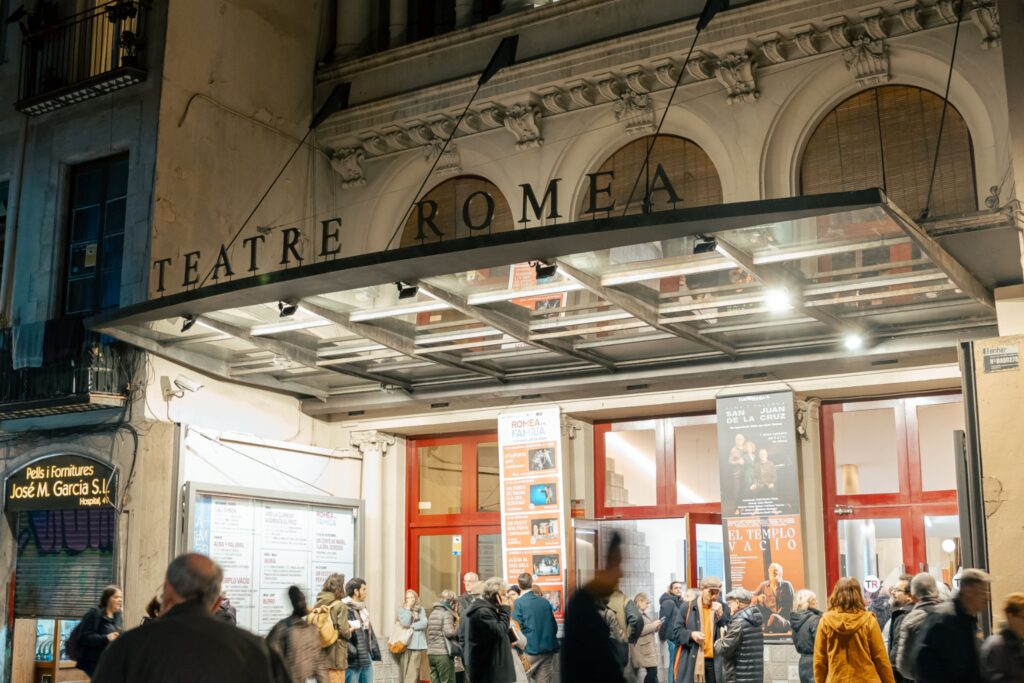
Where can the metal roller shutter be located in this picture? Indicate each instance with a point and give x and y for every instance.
(65, 559)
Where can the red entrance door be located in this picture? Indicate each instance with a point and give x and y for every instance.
(889, 483)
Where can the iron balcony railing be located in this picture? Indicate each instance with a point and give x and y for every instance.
(70, 59)
(96, 372)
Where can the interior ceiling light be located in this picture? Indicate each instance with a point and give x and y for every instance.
(705, 245)
(853, 341)
(287, 309)
(777, 299)
(406, 291)
(188, 322)
(544, 269)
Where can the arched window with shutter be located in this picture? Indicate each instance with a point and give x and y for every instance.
(885, 137)
(459, 207)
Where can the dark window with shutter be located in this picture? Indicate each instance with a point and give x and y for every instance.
(95, 236)
(64, 560)
(885, 137)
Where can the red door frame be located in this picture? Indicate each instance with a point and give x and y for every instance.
(908, 503)
(469, 523)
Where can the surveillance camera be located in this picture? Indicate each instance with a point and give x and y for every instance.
(187, 384)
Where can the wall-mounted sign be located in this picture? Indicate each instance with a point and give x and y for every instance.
(761, 502)
(532, 501)
(61, 482)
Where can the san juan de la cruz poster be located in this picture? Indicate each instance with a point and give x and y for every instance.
(761, 502)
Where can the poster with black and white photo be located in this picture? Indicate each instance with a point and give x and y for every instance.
(761, 502)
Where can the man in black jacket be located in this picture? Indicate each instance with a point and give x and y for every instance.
(469, 584)
(488, 652)
(187, 643)
(902, 603)
(948, 649)
(669, 603)
(741, 646)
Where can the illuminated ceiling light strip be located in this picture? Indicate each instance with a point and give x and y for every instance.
(291, 326)
(511, 294)
(398, 311)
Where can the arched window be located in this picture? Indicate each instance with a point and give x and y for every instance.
(690, 178)
(885, 137)
(458, 207)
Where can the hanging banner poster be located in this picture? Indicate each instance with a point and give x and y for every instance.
(532, 500)
(761, 502)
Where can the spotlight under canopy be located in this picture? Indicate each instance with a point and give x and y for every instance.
(406, 291)
(778, 300)
(187, 322)
(545, 269)
(853, 341)
(705, 245)
(287, 309)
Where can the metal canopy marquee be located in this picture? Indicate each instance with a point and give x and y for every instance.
(719, 286)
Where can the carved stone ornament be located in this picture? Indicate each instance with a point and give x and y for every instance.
(523, 121)
(348, 163)
(868, 60)
(450, 163)
(910, 15)
(874, 23)
(636, 111)
(736, 72)
(985, 16)
(806, 38)
(371, 441)
(773, 48)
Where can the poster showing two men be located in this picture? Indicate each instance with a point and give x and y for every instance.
(761, 502)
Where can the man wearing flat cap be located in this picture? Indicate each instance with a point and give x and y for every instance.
(697, 625)
(741, 647)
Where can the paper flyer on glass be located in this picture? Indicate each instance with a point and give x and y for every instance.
(761, 502)
(532, 500)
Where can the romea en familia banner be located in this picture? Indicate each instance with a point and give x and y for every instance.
(477, 212)
(761, 502)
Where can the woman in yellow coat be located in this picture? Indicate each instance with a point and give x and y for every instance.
(849, 647)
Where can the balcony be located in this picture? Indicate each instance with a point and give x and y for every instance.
(91, 375)
(71, 59)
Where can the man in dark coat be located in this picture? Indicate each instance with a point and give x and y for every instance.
(668, 604)
(469, 584)
(588, 653)
(696, 627)
(741, 646)
(187, 643)
(488, 652)
(948, 649)
(902, 603)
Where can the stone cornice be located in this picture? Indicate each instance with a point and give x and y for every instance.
(786, 31)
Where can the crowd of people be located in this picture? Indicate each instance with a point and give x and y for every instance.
(922, 635)
(496, 633)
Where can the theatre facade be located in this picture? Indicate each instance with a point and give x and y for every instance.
(764, 332)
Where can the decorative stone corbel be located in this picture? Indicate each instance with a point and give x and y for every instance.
(398, 140)
(636, 111)
(376, 144)
(666, 72)
(609, 87)
(806, 38)
(371, 441)
(637, 80)
(581, 93)
(701, 66)
(910, 15)
(523, 121)
(420, 133)
(442, 127)
(773, 48)
(868, 60)
(838, 31)
(450, 163)
(735, 71)
(494, 117)
(874, 23)
(348, 163)
(554, 100)
(947, 10)
(985, 16)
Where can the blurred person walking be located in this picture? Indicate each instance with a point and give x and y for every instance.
(804, 621)
(443, 638)
(298, 643)
(330, 612)
(1002, 655)
(948, 648)
(588, 652)
(849, 647)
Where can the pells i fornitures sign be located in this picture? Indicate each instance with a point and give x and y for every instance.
(61, 482)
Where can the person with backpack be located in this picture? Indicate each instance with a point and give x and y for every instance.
(298, 642)
(411, 615)
(804, 620)
(948, 648)
(329, 616)
(925, 592)
(99, 627)
(443, 638)
(849, 644)
(536, 619)
(643, 653)
(363, 649)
